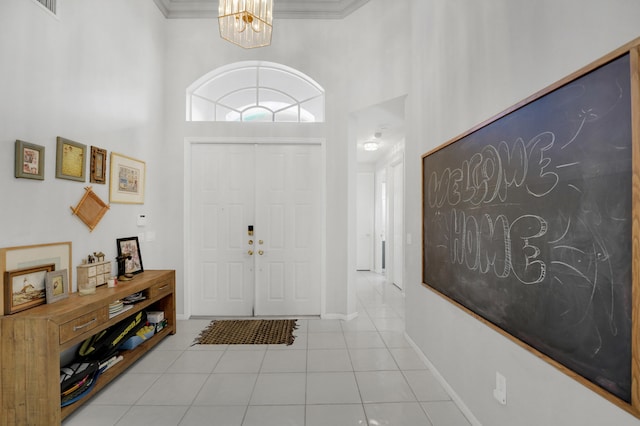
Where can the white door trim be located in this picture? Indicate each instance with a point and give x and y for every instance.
(397, 243)
(189, 142)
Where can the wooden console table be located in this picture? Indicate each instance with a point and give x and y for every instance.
(32, 341)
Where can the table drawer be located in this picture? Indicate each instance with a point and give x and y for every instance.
(160, 289)
(82, 324)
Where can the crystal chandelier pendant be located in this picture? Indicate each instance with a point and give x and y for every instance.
(247, 23)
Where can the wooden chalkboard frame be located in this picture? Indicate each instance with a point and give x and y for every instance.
(633, 50)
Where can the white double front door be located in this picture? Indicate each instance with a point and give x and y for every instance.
(255, 234)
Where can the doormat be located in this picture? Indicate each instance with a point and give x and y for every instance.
(248, 332)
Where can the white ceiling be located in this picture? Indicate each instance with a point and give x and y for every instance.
(282, 9)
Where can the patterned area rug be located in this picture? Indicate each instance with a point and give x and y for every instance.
(247, 332)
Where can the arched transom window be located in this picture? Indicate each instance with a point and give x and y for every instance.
(255, 91)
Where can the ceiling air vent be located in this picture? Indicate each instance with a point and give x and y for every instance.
(50, 5)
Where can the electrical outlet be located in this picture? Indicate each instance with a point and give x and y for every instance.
(500, 392)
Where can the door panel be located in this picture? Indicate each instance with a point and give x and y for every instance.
(398, 226)
(222, 179)
(365, 225)
(275, 290)
(288, 203)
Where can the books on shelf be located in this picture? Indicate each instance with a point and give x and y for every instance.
(124, 308)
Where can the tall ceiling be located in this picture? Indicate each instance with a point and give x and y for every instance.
(282, 9)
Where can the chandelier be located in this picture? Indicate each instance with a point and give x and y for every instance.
(246, 23)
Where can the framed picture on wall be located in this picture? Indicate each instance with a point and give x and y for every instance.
(98, 169)
(70, 160)
(127, 180)
(29, 160)
(529, 225)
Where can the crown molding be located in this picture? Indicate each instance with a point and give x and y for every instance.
(283, 9)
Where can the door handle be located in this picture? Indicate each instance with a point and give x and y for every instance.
(260, 252)
(250, 252)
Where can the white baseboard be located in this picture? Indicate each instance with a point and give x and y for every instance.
(454, 396)
(340, 316)
(324, 316)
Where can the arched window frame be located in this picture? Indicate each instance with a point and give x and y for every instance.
(280, 110)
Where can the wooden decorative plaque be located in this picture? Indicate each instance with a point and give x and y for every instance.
(90, 209)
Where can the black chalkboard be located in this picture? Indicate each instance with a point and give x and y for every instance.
(527, 223)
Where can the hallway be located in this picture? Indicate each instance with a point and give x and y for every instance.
(337, 373)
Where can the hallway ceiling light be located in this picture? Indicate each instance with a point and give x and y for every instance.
(371, 146)
(247, 23)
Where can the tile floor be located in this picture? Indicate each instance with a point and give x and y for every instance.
(337, 373)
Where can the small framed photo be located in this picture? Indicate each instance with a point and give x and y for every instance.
(127, 180)
(29, 160)
(57, 286)
(70, 160)
(98, 168)
(129, 249)
(25, 288)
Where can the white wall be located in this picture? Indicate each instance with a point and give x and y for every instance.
(93, 75)
(193, 49)
(472, 60)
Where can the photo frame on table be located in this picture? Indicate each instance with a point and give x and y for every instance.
(127, 180)
(130, 247)
(70, 160)
(20, 257)
(56, 286)
(25, 288)
(29, 162)
(98, 165)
